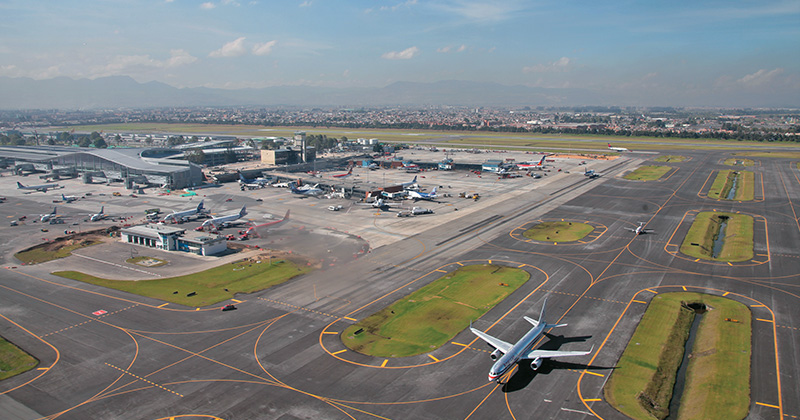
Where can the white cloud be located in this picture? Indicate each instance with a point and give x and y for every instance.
(133, 64)
(406, 54)
(760, 77)
(234, 48)
(558, 66)
(397, 6)
(482, 11)
(306, 3)
(443, 50)
(208, 5)
(447, 49)
(462, 48)
(265, 48)
(179, 58)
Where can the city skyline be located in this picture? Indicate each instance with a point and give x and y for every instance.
(674, 53)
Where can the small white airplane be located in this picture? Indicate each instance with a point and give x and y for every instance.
(640, 230)
(253, 182)
(98, 216)
(507, 355)
(617, 149)
(69, 198)
(416, 195)
(344, 175)
(378, 204)
(216, 222)
(182, 216)
(48, 216)
(591, 173)
(42, 187)
(282, 184)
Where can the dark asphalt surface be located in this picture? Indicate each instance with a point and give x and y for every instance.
(279, 356)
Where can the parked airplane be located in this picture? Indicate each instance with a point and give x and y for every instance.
(507, 355)
(223, 221)
(48, 216)
(529, 165)
(98, 216)
(269, 225)
(640, 230)
(378, 204)
(306, 190)
(345, 175)
(617, 149)
(257, 182)
(182, 216)
(373, 166)
(69, 198)
(410, 184)
(416, 195)
(42, 187)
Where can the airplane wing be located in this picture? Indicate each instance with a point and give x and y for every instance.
(494, 342)
(546, 354)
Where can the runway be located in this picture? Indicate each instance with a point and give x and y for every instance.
(279, 355)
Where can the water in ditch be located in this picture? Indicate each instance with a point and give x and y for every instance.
(719, 241)
(732, 192)
(680, 378)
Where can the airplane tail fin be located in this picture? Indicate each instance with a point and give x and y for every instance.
(243, 211)
(19, 185)
(414, 181)
(541, 161)
(101, 209)
(200, 206)
(433, 192)
(286, 217)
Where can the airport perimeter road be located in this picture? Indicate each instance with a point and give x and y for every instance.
(279, 355)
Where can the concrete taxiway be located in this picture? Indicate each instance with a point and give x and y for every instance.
(279, 355)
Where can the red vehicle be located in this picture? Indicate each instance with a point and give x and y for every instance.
(229, 307)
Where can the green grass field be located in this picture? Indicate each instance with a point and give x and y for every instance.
(642, 383)
(46, 253)
(723, 183)
(14, 360)
(430, 317)
(648, 173)
(670, 158)
(738, 242)
(558, 231)
(211, 286)
(739, 162)
(784, 155)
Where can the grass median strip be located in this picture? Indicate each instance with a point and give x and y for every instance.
(14, 360)
(206, 287)
(558, 231)
(648, 173)
(670, 158)
(736, 245)
(718, 374)
(727, 180)
(428, 318)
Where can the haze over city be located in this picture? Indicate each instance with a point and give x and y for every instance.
(708, 53)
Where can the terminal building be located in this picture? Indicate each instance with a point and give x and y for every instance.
(152, 166)
(170, 238)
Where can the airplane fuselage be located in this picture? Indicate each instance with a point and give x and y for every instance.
(516, 353)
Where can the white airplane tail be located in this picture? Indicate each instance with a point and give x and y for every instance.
(541, 318)
(243, 211)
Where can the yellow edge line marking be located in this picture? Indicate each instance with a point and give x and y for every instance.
(593, 399)
(521, 265)
(651, 291)
(596, 374)
(767, 405)
(161, 306)
(385, 361)
(441, 271)
(765, 320)
(434, 359)
(725, 294)
(730, 264)
(340, 351)
(196, 309)
(638, 301)
(43, 368)
(349, 319)
(458, 344)
(490, 262)
(684, 288)
(759, 306)
(237, 301)
(330, 332)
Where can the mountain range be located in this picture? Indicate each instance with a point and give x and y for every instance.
(125, 92)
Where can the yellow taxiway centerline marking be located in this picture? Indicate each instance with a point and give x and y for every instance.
(43, 368)
(595, 374)
(349, 319)
(161, 306)
(767, 405)
(340, 351)
(434, 359)
(593, 399)
(758, 306)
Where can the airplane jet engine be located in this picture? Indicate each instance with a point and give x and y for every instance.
(536, 363)
(495, 354)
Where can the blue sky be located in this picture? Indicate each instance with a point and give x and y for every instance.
(663, 50)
